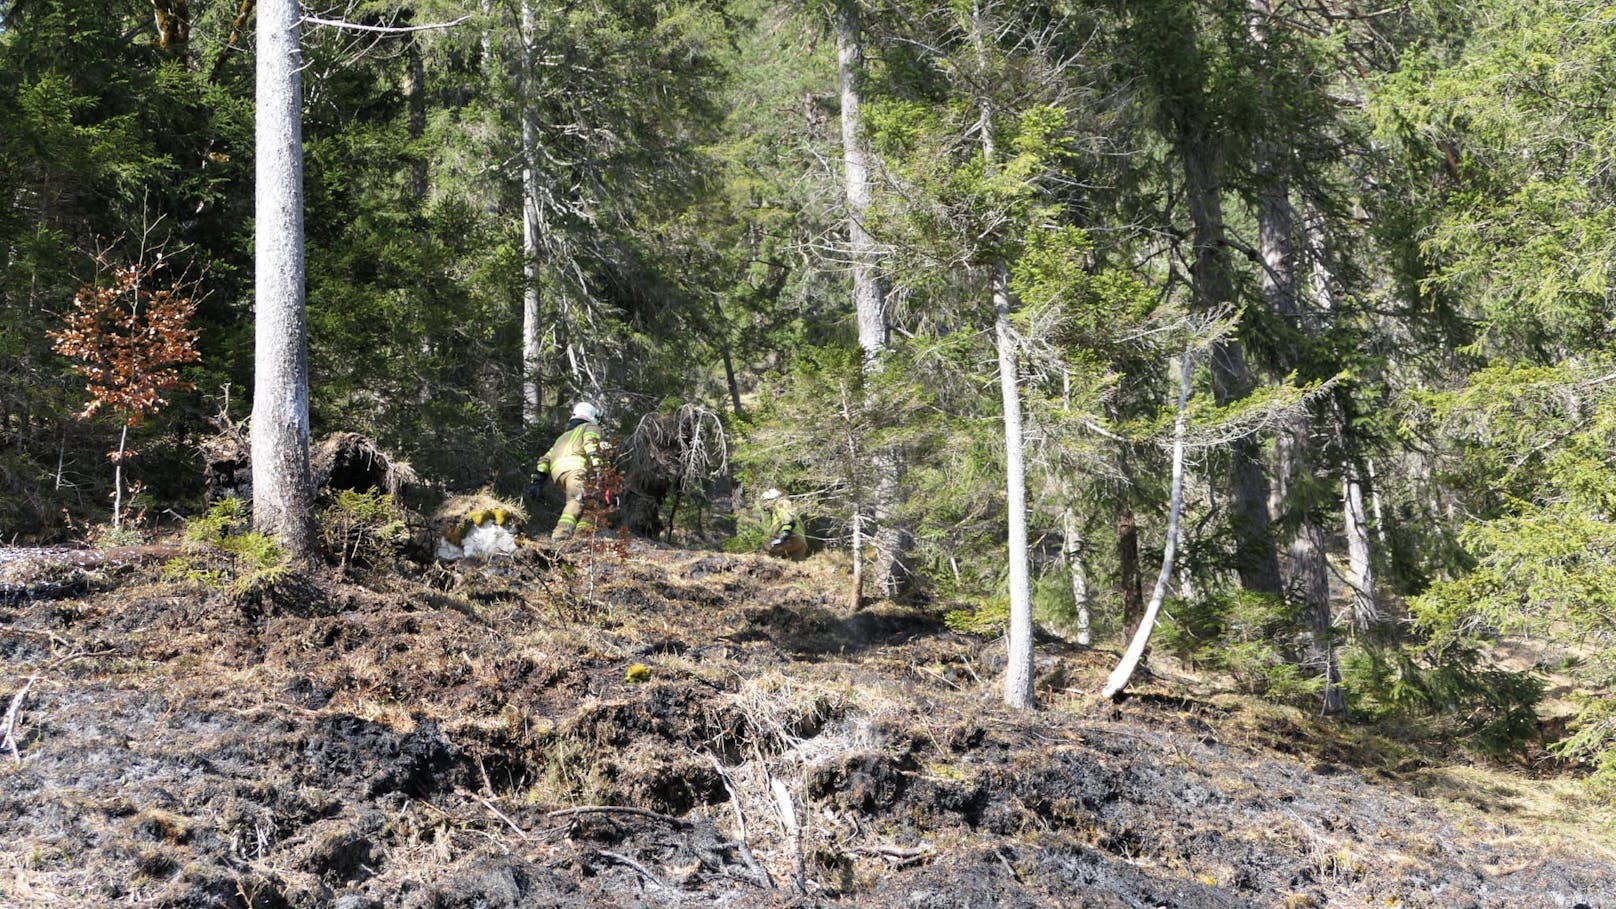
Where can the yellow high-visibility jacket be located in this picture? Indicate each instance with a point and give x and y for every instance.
(575, 449)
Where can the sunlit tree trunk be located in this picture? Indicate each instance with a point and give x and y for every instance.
(889, 569)
(415, 107)
(1360, 552)
(283, 496)
(1018, 688)
(532, 332)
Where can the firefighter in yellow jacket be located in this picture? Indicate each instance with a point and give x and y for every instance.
(568, 462)
(786, 539)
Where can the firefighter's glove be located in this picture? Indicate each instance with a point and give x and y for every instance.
(780, 539)
(535, 487)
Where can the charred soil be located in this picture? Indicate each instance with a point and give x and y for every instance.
(640, 726)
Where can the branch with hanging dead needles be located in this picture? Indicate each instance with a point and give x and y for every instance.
(381, 29)
(8, 726)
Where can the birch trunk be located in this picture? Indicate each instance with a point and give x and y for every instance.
(869, 302)
(1175, 506)
(283, 496)
(117, 477)
(1018, 682)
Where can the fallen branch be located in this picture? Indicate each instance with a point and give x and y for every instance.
(618, 809)
(497, 813)
(895, 857)
(788, 820)
(8, 726)
(650, 878)
(740, 824)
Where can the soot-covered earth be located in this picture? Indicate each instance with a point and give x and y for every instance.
(637, 726)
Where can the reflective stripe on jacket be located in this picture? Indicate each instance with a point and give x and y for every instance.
(574, 449)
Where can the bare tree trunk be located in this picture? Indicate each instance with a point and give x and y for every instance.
(1175, 508)
(1360, 549)
(1018, 691)
(869, 303)
(1133, 600)
(283, 497)
(722, 327)
(1072, 547)
(117, 477)
(1360, 558)
(892, 542)
(532, 333)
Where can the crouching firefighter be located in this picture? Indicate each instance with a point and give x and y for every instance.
(575, 453)
(786, 539)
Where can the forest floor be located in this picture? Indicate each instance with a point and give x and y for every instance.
(637, 726)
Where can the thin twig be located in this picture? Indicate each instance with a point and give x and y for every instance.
(499, 814)
(9, 725)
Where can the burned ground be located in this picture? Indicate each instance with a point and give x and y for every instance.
(648, 727)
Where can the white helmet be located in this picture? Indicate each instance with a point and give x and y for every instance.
(770, 495)
(584, 410)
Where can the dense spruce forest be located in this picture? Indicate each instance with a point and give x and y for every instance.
(1282, 328)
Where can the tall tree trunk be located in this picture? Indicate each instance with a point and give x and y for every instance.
(869, 301)
(1018, 672)
(1310, 571)
(283, 495)
(117, 477)
(1360, 548)
(1255, 557)
(532, 332)
(890, 571)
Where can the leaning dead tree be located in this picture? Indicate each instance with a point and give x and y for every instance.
(679, 454)
(1206, 331)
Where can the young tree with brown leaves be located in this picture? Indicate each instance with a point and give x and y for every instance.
(130, 338)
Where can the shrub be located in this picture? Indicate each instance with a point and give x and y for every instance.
(362, 528)
(1249, 636)
(227, 555)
